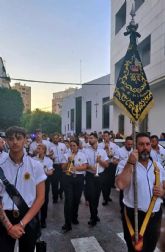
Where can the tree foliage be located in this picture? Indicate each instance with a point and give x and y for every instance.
(48, 122)
(11, 108)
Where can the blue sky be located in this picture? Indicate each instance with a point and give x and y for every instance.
(45, 40)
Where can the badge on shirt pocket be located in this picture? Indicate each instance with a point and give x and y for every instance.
(26, 176)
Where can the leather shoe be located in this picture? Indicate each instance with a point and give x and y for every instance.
(66, 228)
(105, 203)
(92, 223)
(75, 222)
(109, 199)
(43, 224)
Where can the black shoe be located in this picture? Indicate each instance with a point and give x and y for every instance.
(61, 196)
(92, 223)
(105, 203)
(43, 224)
(109, 199)
(75, 222)
(66, 228)
(97, 219)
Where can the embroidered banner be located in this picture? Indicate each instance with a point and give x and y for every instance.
(132, 93)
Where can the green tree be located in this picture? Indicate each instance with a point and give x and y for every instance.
(11, 108)
(48, 122)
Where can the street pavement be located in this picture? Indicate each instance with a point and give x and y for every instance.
(107, 236)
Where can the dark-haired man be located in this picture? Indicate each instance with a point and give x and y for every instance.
(28, 177)
(146, 189)
(97, 161)
(38, 140)
(123, 154)
(109, 173)
(157, 151)
(3, 154)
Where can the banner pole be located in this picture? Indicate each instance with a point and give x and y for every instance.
(135, 187)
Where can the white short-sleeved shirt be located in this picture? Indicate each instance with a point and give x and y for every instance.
(46, 162)
(112, 147)
(25, 176)
(58, 150)
(122, 153)
(145, 184)
(3, 156)
(34, 144)
(79, 159)
(159, 156)
(91, 155)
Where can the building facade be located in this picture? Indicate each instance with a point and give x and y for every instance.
(150, 15)
(25, 92)
(58, 99)
(3, 82)
(86, 110)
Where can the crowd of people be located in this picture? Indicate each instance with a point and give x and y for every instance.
(89, 165)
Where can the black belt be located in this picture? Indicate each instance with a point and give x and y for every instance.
(140, 212)
(73, 174)
(93, 174)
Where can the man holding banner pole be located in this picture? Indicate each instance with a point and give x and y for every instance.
(132, 94)
(151, 188)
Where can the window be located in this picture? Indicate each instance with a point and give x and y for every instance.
(121, 124)
(118, 66)
(78, 114)
(68, 127)
(88, 114)
(138, 3)
(120, 18)
(143, 126)
(72, 119)
(144, 49)
(105, 122)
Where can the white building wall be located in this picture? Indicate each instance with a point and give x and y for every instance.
(67, 105)
(93, 93)
(156, 117)
(3, 82)
(151, 19)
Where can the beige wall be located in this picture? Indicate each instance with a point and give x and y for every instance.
(25, 92)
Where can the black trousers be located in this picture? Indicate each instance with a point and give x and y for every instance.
(73, 187)
(85, 190)
(56, 181)
(93, 187)
(121, 201)
(151, 234)
(44, 208)
(26, 243)
(108, 181)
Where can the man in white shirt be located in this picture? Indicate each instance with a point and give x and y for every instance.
(123, 154)
(109, 173)
(38, 140)
(3, 154)
(157, 153)
(28, 177)
(146, 189)
(47, 165)
(57, 152)
(97, 161)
